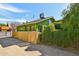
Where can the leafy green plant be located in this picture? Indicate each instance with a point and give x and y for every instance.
(69, 36)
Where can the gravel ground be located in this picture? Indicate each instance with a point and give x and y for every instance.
(45, 50)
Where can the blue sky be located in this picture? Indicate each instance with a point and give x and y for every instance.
(30, 11)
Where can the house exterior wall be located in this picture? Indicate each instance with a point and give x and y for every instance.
(34, 27)
(21, 28)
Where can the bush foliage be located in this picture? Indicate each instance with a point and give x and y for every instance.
(61, 38)
(69, 36)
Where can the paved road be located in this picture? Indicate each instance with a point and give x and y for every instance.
(45, 50)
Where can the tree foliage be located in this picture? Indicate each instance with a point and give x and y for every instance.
(71, 17)
(1, 24)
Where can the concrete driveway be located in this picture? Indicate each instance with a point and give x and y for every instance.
(12, 41)
(45, 50)
(51, 51)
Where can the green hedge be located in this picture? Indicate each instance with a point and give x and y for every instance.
(61, 38)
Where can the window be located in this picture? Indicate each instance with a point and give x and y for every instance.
(40, 28)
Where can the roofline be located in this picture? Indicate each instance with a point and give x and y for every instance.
(40, 20)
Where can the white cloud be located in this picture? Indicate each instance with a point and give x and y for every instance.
(21, 20)
(2, 20)
(10, 20)
(11, 8)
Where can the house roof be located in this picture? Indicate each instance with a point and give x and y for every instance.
(36, 21)
(4, 27)
(39, 20)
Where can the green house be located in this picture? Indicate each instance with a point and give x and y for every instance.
(37, 25)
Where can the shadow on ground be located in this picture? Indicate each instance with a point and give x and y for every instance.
(45, 50)
(12, 41)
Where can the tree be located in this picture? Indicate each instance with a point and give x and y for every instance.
(7, 24)
(71, 17)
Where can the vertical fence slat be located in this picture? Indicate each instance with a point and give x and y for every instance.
(26, 36)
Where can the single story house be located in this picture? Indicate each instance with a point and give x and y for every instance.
(36, 25)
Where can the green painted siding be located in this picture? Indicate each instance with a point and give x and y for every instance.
(34, 26)
(21, 28)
